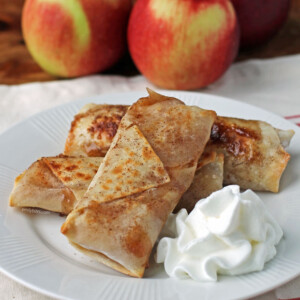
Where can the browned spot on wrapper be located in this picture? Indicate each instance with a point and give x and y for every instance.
(55, 165)
(84, 176)
(105, 187)
(137, 241)
(71, 168)
(117, 170)
(235, 139)
(147, 153)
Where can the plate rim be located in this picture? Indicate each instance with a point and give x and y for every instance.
(100, 99)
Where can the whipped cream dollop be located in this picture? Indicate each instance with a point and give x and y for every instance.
(227, 233)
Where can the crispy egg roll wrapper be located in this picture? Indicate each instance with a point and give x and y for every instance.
(241, 141)
(93, 129)
(208, 179)
(58, 183)
(254, 155)
(120, 231)
(54, 183)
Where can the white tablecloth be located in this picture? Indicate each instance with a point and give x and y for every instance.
(272, 84)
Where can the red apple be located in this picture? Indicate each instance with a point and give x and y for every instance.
(183, 44)
(75, 37)
(260, 19)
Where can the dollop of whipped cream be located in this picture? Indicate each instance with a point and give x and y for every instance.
(227, 233)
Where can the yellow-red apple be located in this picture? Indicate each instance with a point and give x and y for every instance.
(260, 19)
(183, 44)
(71, 38)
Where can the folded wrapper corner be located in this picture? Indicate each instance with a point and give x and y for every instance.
(54, 183)
(150, 164)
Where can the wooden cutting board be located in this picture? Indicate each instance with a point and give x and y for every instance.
(17, 66)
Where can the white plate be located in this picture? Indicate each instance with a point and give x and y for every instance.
(33, 252)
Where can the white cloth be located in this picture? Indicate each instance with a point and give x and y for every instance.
(272, 84)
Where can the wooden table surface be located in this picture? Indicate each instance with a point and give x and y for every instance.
(17, 66)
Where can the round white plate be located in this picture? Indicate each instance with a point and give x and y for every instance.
(33, 252)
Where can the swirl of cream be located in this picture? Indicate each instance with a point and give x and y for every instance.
(227, 233)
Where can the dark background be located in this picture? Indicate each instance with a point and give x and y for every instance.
(16, 65)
